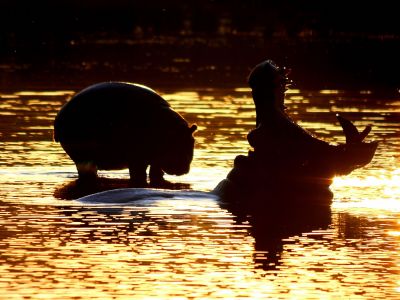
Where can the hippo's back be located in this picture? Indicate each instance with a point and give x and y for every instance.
(103, 110)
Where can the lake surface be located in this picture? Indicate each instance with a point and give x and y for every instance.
(54, 247)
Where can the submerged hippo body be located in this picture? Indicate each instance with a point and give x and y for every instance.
(119, 125)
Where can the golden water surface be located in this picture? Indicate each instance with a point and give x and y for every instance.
(53, 247)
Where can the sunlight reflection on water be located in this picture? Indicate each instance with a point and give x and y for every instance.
(179, 249)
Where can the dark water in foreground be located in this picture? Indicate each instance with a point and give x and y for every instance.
(192, 248)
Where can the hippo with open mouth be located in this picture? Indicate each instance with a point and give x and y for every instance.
(286, 157)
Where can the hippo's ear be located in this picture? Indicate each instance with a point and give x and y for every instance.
(193, 128)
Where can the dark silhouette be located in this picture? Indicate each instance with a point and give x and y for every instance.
(119, 125)
(287, 158)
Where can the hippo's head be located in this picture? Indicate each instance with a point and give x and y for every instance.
(177, 151)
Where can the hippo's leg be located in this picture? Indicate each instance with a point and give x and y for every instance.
(87, 170)
(156, 175)
(138, 175)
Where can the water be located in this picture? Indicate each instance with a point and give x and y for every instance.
(52, 246)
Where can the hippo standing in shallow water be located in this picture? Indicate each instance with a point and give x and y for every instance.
(117, 125)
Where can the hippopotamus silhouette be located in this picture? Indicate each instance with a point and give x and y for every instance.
(285, 156)
(118, 125)
(279, 138)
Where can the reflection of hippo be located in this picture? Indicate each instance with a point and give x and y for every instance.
(121, 125)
